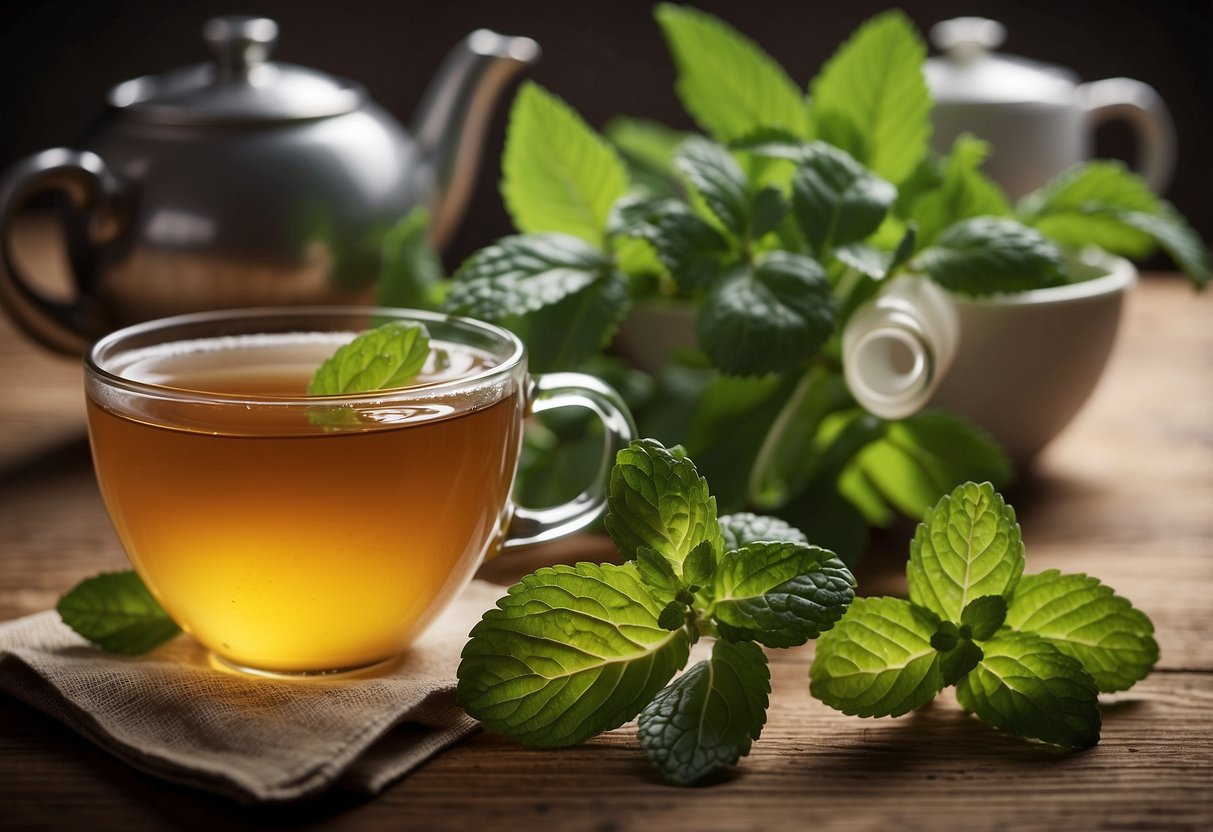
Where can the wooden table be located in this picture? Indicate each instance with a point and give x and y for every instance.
(1125, 494)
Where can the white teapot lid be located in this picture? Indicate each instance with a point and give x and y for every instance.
(969, 72)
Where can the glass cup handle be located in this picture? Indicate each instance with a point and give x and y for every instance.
(548, 392)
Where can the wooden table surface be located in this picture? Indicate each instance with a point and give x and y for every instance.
(1125, 494)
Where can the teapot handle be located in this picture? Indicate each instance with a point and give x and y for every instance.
(94, 217)
(1142, 106)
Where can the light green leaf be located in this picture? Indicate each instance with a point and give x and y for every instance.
(412, 275)
(983, 616)
(1178, 239)
(378, 359)
(569, 652)
(563, 335)
(878, 660)
(522, 274)
(923, 457)
(967, 546)
(865, 259)
(689, 247)
(557, 173)
(719, 180)
(835, 199)
(875, 87)
(728, 84)
(657, 573)
(657, 499)
(743, 528)
(991, 255)
(1026, 686)
(965, 192)
(648, 148)
(780, 594)
(768, 318)
(707, 719)
(1086, 620)
(115, 611)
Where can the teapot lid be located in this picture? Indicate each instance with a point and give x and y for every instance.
(242, 85)
(970, 72)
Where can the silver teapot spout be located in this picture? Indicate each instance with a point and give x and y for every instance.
(454, 114)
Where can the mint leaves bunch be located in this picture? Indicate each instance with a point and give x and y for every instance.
(572, 651)
(1028, 654)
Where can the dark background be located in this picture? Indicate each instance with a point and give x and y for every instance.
(58, 59)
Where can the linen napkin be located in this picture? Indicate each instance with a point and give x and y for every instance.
(172, 715)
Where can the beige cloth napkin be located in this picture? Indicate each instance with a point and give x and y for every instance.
(170, 714)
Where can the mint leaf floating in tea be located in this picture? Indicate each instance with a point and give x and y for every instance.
(116, 612)
(1028, 655)
(378, 359)
(570, 652)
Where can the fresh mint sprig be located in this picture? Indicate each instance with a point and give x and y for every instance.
(387, 356)
(1028, 655)
(572, 651)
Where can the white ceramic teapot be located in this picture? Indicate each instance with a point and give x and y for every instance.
(1037, 117)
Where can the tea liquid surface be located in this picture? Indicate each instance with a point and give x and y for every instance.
(282, 545)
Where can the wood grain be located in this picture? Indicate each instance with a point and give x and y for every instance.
(1126, 494)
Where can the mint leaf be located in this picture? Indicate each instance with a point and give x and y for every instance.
(719, 180)
(835, 199)
(983, 616)
(522, 274)
(728, 84)
(865, 259)
(657, 499)
(744, 528)
(1086, 620)
(780, 594)
(1082, 205)
(1177, 239)
(878, 660)
(1026, 686)
(412, 275)
(965, 191)
(566, 333)
(116, 612)
(956, 662)
(707, 719)
(690, 248)
(991, 255)
(921, 458)
(657, 573)
(965, 547)
(672, 616)
(946, 637)
(378, 359)
(700, 565)
(648, 148)
(872, 98)
(557, 173)
(569, 652)
(767, 211)
(768, 317)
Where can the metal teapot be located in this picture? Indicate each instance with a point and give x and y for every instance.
(1038, 119)
(247, 182)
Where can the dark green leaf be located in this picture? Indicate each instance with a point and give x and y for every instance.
(378, 359)
(1177, 239)
(563, 335)
(115, 611)
(991, 255)
(690, 248)
(412, 275)
(767, 318)
(983, 616)
(673, 615)
(1026, 686)
(700, 565)
(657, 573)
(743, 528)
(719, 180)
(569, 652)
(946, 636)
(767, 212)
(958, 661)
(836, 200)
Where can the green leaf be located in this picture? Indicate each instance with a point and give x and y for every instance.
(835, 199)
(569, 652)
(1026, 686)
(1177, 239)
(743, 528)
(648, 148)
(572, 330)
(657, 499)
(115, 611)
(707, 719)
(522, 274)
(1081, 206)
(983, 616)
(719, 180)
(728, 84)
(965, 192)
(959, 661)
(767, 318)
(412, 275)
(700, 565)
(690, 248)
(780, 594)
(874, 85)
(966, 547)
(878, 660)
(991, 255)
(865, 259)
(923, 457)
(673, 615)
(946, 636)
(557, 173)
(657, 573)
(378, 359)
(1086, 620)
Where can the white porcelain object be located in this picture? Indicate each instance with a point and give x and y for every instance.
(1037, 117)
(1020, 365)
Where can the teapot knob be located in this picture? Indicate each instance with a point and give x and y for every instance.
(240, 42)
(965, 38)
